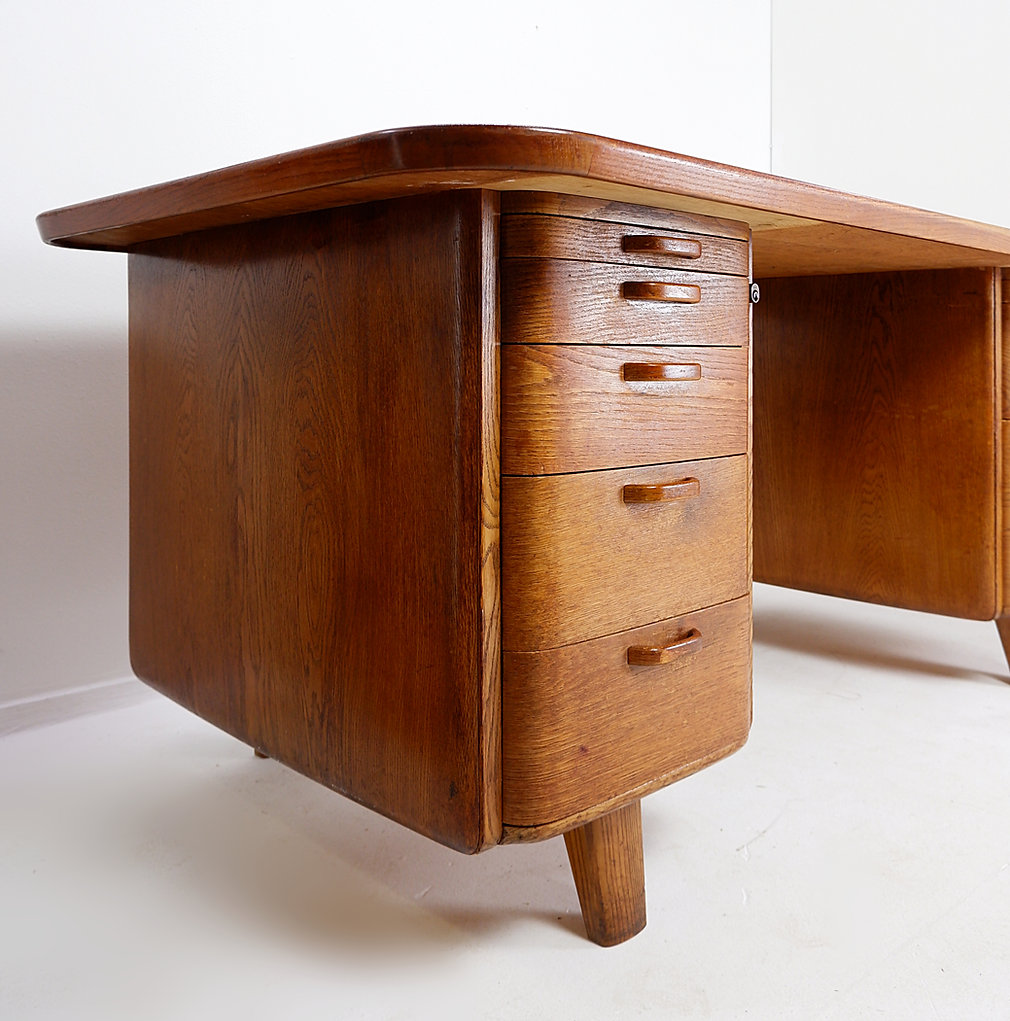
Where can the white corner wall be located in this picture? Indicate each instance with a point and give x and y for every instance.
(903, 100)
(115, 94)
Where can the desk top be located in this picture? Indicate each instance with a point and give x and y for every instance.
(798, 228)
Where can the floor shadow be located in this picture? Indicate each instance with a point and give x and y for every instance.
(815, 630)
(281, 852)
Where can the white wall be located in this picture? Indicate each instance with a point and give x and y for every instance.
(901, 100)
(115, 94)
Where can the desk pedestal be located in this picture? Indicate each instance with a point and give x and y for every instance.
(878, 467)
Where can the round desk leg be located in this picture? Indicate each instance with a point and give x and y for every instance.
(609, 870)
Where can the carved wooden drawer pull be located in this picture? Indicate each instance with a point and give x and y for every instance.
(655, 290)
(654, 655)
(660, 372)
(652, 244)
(662, 492)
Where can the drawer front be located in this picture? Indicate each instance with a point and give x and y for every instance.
(556, 301)
(560, 237)
(581, 725)
(571, 408)
(590, 554)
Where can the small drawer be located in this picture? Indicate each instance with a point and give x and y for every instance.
(590, 554)
(556, 301)
(582, 725)
(581, 408)
(560, 237)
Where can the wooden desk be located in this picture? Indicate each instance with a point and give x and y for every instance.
(441, 446)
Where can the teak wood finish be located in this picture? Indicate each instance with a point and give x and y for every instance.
(316, 476)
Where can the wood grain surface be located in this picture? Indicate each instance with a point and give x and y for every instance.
(551, 203)
(403, 161)
(555, 301)
(557, 237)
(581, 726)
(1003, 504)
(875, 420)
(809, 249)
(1003, 464)
(578, 561)
(571, 408)
(1004, 309)
(608, 866)
(668, 650)
(314, 498)
(535, 833)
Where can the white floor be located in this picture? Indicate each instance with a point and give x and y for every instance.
(850, 862)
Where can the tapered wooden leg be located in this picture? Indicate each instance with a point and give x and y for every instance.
(260, 754)
(609, 870)
(1003, 627)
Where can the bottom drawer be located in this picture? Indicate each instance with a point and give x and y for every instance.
(582, 726)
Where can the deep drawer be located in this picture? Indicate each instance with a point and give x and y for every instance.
(590, 554)
(561, 237)
(579, 408)
(556, 301)
(582, 726)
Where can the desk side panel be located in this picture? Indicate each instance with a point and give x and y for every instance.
(314, 498)
(876, 410)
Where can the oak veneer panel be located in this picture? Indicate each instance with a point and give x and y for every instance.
(579, 562)
(580, 726)
(554, 301)
(569, 408)
(875, 424)
(388, 164)
(314, 498)
(557, 237)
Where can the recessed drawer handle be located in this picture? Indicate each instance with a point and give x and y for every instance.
(654, 244)
(654, 290)
(660, 372)
(654, 655)
(662, 492)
